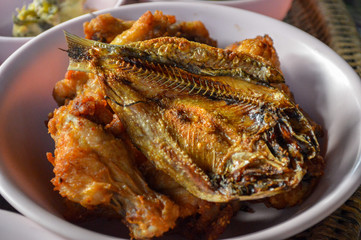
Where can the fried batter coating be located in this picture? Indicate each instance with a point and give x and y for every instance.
(259, 46)
(92, 167)
(67, 88)
(106, 28)
(150, 26)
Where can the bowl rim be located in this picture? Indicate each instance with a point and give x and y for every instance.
(12, 193)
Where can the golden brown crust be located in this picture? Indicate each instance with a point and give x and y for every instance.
(105, 28)
(259, 46)
(94, 168)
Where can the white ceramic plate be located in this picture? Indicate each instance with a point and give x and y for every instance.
(14, 226)
(323, 84)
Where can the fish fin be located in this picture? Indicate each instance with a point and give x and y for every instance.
(76, 40)
(79, 66)
(78, 52)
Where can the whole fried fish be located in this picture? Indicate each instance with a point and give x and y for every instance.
(206, 116)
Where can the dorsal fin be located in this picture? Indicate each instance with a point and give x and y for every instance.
(193, 57)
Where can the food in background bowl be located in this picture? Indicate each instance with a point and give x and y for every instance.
(166, 130)
(41, 15)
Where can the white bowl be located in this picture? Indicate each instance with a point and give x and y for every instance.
(16, 226)
(322, 82)
(272, 8)
(8, 9)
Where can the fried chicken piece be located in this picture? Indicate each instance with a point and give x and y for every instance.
(258, 46)
(93, 168)
(210, 222)
(106, 28)
(67, 88)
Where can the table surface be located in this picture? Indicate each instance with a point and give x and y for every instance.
(354, 7)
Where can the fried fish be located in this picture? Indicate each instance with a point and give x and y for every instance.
(212, 119)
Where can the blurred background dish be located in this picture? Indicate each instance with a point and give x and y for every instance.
(8, 10)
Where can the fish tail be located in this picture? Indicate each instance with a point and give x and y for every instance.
(78, 52)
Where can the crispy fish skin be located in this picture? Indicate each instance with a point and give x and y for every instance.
(269, 137)
(193, 57)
